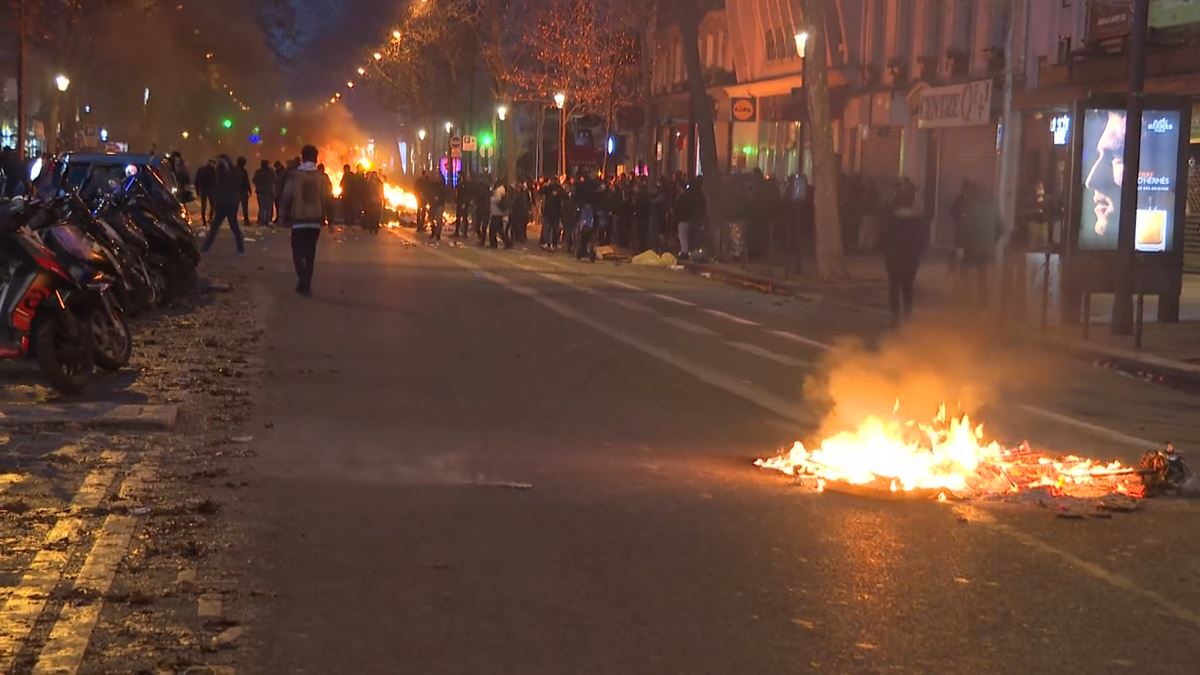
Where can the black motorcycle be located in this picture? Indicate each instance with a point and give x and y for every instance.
(41, 305)
(63, 226)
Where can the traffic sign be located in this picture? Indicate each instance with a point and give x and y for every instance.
(470, 144)
(456, 143)
(91, 135)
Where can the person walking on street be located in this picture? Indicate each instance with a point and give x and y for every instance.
(372, 193)
(520, 213)
(462, 207)
(281, 174)
(243, 180)
(206, 177)
(981, 230)
(903, 241)
(691, 210)
(552, 208)
(437, 192)
(264, 187)
(226, 195)
(499, 204)
(305, 207)
(588, 193)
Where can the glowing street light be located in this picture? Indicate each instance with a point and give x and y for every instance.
(421, 134)
(350, 84)
(449, 127)
(560, 100)
(502, 112)
(185, 135)
(395, 35)
(62, 82)
(802, 44)
(362, 71)
(377, 56)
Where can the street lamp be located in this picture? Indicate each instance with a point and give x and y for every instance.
(421, 134)
(802, 44)
(502, 112)
(395, 35)
(349, 85)
(62, 82)
(560, 102)
(362, 71)
(185, 135)
(377, 56)
(449, 127)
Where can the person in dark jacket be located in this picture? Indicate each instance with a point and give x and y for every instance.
(976, 241)
(552, 211)
(372, 200)
(281, 174)
(903, 242)
(244, 189)
(226, 195)
(264, 187)
(520, 213)
(206, 177)
(691, 209)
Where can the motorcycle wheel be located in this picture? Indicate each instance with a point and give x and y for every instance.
(112, 342)
(63, 347)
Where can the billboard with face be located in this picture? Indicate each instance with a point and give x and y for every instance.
(1104, 172)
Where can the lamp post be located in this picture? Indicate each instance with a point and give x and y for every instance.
(802, 52)
(421, 149)
(502, 115)
(62, 83)
(560, 102)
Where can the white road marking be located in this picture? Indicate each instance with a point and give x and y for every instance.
(668, 298)
(1132, 441)
(731, 317)
(684, 324)
(23, 607)
(620, 284)
(620, 302)
(760, 397)
(769, 355)
(72, 632)
(802, 340)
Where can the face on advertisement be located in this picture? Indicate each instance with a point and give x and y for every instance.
(1106, 175)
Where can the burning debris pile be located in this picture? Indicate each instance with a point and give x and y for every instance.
(948, 458)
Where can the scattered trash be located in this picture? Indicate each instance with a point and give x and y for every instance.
(803, 623)
(962, 580)
(140, 510)
(241, 439)
(651, 259)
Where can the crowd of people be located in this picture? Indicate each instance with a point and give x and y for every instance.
(576, 215)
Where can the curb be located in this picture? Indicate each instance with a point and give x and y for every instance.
(91, 416)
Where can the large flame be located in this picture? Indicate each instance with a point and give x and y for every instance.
(947, 455)
(394, 196)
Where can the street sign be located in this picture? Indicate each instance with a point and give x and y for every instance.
(470, 144)
(456, 143)
(744, 109)
(455, 153)
(91, 135)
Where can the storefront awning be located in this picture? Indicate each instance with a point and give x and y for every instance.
(777, 86)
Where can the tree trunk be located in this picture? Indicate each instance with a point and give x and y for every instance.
(702, 109)
(830, 262)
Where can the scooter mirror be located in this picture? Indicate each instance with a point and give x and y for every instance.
(35, 169)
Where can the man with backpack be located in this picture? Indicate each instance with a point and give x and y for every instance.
(305, 207)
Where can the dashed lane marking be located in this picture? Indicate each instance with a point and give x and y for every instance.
(28, 599)
(802, 340)
(69, 638)
(675, 300)
(620, 284)
(760, 397)
(770, 355)
(684, 324)
(730, 317)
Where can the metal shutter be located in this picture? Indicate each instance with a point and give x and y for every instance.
(879, 162)
(967, 153)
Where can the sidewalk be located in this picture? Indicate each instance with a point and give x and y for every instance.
(1169, 351)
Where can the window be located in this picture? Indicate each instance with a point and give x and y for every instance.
(771, 45)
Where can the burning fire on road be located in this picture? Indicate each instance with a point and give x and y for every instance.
(947, 457)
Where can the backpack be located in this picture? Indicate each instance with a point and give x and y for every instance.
(308, 197)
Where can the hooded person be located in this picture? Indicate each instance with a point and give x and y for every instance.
(305, 207)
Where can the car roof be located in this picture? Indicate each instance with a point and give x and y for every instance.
(111, 157)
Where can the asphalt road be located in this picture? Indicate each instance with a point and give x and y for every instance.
(406, 404)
